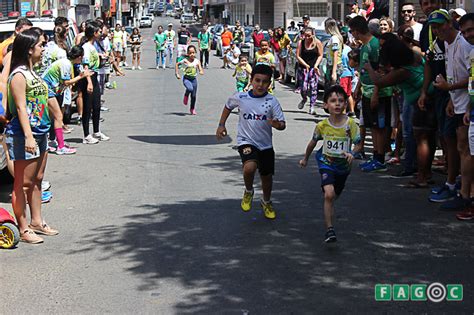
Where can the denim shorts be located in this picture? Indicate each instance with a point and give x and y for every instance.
(16, 147)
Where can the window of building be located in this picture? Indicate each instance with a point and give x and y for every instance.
(311, 9)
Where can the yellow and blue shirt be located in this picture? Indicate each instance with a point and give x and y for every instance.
(337, 140)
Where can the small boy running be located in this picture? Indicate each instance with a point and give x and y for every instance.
(334, 159)
(242, 74)
(259, 112)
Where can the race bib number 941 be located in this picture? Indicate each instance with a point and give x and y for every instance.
(335, 146)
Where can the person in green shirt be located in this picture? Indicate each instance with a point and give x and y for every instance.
(376, 102)
(204, 44)
(418, 122)
(160, 42)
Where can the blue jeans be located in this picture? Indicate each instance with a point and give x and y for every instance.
(169, 53)
(408, 137)
(191, 85)
(160, 58)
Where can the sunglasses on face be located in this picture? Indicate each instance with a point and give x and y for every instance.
(407, 11)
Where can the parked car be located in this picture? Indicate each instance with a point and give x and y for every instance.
(216, 32)
(247, 48)
(292, 62)
(187, 18)
(169, 13)
(146, 21)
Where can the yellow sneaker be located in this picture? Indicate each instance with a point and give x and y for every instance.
(246, 203)
(268, 210)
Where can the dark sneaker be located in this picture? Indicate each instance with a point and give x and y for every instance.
(330, 236)
(301, 104)
(442, 195)
(456, 204)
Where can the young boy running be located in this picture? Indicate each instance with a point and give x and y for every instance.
(334, 159)
(259, 112)
(242, 74)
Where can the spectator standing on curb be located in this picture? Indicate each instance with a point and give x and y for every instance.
(136, 47)
(26, 134)
(408, 13)
(434, 51)
(160, 46)
(257, 37)
(376, 103)
(184, 39)
(466, 24)
(238, 34)
(456, 82)
(118, 44)
(226, 38)
(170, 44)
(125, 39)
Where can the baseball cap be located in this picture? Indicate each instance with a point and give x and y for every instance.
(459, 11)
(170, 24)
(306, 17)
(439, 17)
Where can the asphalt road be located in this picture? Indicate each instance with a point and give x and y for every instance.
(150, 222)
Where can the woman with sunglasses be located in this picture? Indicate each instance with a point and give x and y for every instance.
(26, 133)
(309, 54)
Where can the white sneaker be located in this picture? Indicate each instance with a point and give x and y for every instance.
(164, 67)
(65, 151)
(133, 68)
(45, 185)
(100, 136)
(312, 111)
(90, 140)
(125, 64)
(157, 67)
(139, 68)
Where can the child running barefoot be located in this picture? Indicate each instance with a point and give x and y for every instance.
(338, 133)
(242, 74)
(190, 67)
(259, 112)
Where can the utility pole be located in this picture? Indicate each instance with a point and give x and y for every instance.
(119, 12)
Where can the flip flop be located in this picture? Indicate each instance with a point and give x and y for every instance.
(414, 184)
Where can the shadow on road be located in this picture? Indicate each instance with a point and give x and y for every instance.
(228, 261)
(182, 139)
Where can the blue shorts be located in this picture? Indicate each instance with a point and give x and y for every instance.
(16, 147)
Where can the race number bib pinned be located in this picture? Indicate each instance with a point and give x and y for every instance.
(336, 146)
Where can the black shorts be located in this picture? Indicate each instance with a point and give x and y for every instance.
(424, 119)
(265, 158)
(379, 117)
(458, 120)
(329, 177)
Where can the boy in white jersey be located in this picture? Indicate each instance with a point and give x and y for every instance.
(259, 112)
(338, 133)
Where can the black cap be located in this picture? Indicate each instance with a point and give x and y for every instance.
(306, 17)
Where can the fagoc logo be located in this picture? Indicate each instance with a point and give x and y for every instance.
(435, 292)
